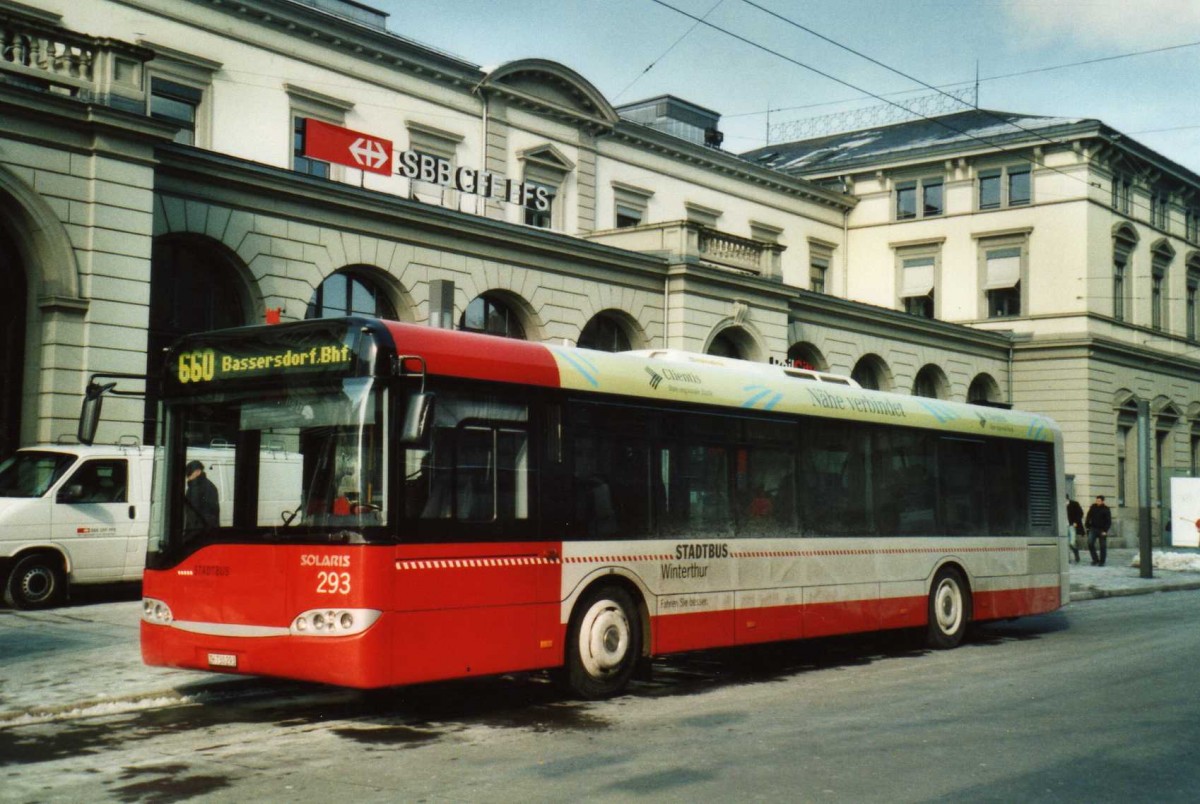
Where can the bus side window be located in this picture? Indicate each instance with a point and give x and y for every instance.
(833, 480)
(478, 467)
(904, 475)
(610, 472)
(962, 470)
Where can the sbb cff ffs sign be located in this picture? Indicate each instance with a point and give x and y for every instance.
(344, 146)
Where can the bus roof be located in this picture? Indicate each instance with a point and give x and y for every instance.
(675, 376)
(664, 375)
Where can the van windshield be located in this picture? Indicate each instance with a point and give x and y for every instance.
(294, 464)
(31, 473)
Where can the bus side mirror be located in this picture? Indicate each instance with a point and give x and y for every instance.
(416, 426)
(89, 412)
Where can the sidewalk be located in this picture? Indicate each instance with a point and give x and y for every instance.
(1122, 576)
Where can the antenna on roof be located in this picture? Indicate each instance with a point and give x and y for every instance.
(882, 114)
(976, 83)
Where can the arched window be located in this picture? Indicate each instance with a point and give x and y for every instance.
(604, 334)
(12, 357)
(931, 382)
(723, 345)
(984, 390)
(872, 373)
(491, 316)
(194, 287)
(807, 356)
(349, 292)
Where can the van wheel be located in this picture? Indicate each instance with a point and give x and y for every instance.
(949, 610)
(604, 643)
(36, 582)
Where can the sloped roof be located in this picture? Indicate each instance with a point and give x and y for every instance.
(952, 133)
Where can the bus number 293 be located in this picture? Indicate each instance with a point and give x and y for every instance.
(333, 583)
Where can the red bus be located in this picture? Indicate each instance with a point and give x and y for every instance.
(402, 504)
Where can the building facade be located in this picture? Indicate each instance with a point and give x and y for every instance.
(158, 176)
(1078, 242)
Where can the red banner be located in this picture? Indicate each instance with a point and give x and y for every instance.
(344, 146)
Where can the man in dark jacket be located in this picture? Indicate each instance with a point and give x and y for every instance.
(1098, 524)
(202, 506)
(1074, 524)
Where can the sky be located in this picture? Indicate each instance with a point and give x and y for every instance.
(635, 49)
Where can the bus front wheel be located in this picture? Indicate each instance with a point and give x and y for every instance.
(604, 643)
(949, 609)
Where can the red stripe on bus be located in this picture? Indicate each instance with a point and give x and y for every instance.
(456, 640)
(478, 357)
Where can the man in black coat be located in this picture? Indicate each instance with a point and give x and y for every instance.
(1098, 524)
(1074, 524)
(202, 508)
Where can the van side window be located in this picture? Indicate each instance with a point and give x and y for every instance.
(100, 481)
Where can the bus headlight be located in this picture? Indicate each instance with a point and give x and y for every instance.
(334, 622)
(155, 611)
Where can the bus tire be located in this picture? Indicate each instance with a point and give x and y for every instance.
(36, 582)
(949, 609)
(604, 643)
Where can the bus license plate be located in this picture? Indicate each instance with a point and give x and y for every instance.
(222, 660)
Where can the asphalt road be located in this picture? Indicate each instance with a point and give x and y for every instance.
(1096, 703)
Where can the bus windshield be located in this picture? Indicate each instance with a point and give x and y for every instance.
(294, 463)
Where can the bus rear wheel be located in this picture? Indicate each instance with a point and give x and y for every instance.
(604, 642)
(36, 582)
(949, 610)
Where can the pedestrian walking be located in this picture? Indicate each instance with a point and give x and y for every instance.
(1098, 523)
(1074, 525)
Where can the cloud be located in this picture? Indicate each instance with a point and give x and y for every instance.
(1103, 24)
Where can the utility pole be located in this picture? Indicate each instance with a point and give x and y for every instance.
(1143, 454)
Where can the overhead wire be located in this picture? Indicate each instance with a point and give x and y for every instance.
(935, 120)
(652, 64)
(1018, 74)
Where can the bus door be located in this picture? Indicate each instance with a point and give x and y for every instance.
(471, 567)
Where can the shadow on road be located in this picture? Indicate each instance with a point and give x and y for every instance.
(410, 717)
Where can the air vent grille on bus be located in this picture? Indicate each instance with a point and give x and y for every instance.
(1041, 490)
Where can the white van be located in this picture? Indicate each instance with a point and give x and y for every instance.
(70, 513)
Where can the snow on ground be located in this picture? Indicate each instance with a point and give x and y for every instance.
(1178, 562)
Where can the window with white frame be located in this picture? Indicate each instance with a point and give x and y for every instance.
(1160, 262)
(1123, 244)
(629, 205)
(1191, 219)
(1193, 288)
(179, 87)
(1020, 186)
(177, 104)
(1159, 209)
(545, 175)
(919, 198)
(1122, 192)
(819, 259)
(539, 208)
(307, 104)
(1003, 269)
(917, 281)
(439, 144)
(1007, 186)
